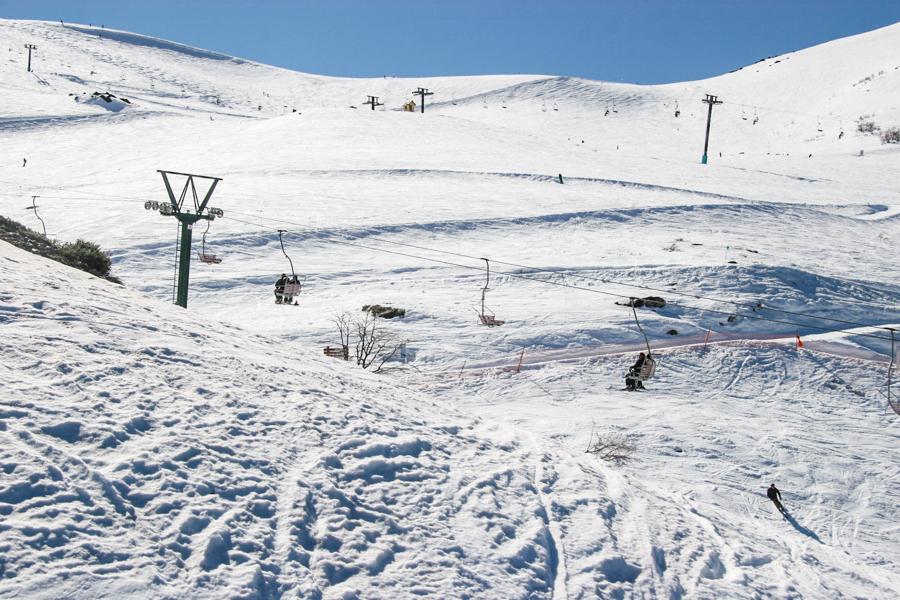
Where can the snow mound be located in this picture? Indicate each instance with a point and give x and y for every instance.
(106, 100)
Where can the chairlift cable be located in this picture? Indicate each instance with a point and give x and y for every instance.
(585, 289)
(739, 305)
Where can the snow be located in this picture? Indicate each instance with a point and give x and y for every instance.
(149, 451)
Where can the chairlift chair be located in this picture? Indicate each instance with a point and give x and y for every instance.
(206, 258)
(292, 287)
(486, 317)
(648, 369)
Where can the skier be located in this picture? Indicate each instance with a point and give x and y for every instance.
(775, 496)
(631, 383)
(24, 161)
(279, 288)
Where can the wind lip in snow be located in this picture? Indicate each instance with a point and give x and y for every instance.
(152, 42)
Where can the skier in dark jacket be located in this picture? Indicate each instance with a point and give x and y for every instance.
(775, 496)
(279, 288)
(631, 383)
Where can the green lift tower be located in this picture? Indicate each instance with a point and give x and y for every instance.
(176, 207)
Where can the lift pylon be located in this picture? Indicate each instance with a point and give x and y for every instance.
(187, 216)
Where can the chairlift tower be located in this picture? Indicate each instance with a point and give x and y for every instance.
(30, 48)
(422, 92)
(176, 207)
(711, 101)
(373, 102)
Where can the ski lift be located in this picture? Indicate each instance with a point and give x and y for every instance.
(648, 369)
(819, 126)
(743, 115)
(555, 107)
(484, 102)
(486, 317)
(755, 117)
(677, 110)
(34, 208)
(292, 287)
(205, 258)
(543, 106)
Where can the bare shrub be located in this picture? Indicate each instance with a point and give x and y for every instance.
(342, 322)
(613, 447)
(373, 343)
(864, 125)
(891, 136)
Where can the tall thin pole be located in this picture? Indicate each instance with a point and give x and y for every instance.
(422, 92)
(30, 48)
(184, 259)
(711, 101)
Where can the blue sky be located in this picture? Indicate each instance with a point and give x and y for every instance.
(641, 41)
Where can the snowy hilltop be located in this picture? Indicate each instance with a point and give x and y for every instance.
(217, 451)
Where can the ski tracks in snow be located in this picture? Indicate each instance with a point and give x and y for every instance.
(258, 479)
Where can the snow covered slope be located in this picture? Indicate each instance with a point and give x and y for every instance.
(150, 451)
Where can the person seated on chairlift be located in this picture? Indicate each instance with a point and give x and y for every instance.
(631, 381)
(279, 288)
(294, 282)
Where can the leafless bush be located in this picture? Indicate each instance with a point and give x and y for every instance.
(864, 125)
(891, 136)
(342, 322)
(373, 343)
(613, 447)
